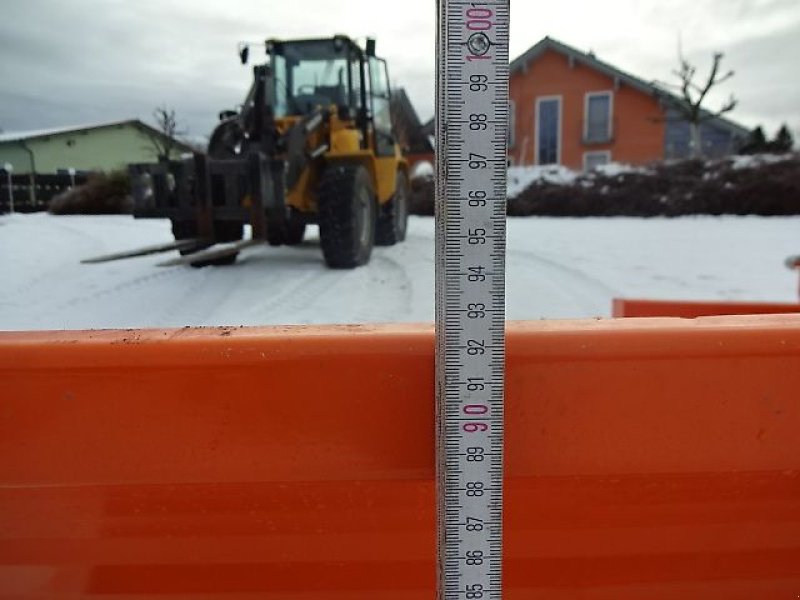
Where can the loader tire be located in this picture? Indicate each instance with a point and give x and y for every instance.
(393, 216)
(290, 232)
(226, 140)
(224, 231)
(227, 231)
(295, 228)
(347, 214)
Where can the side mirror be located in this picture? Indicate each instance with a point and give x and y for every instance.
(227, 114)
(244, 53)
(370, 47)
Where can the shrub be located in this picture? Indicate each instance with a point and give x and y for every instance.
(102, 194)
(692, 187)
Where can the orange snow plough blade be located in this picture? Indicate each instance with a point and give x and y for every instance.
(627, 307)
(651, 458)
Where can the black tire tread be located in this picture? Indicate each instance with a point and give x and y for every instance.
(337, 219)
(295, 229)
(387, 230)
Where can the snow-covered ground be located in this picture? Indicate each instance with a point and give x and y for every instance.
(557, 268)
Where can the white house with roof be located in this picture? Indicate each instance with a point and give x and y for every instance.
(95, 147)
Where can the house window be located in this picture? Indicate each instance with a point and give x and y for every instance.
(548, 130)
(592, 160)
(598, 118)
(512, 122)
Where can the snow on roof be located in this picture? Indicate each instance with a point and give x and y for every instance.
(14, 136)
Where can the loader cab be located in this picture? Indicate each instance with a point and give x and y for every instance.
(311, 73)
(332, 71)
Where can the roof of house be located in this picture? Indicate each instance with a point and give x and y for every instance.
(590, 60)
(21, 136)
(406, 117)
(429, 127)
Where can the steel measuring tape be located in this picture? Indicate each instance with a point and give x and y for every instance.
(472, 117)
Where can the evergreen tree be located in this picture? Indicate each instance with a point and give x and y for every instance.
(756, 142)
(784, 142)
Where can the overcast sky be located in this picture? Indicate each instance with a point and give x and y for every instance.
(82, 61)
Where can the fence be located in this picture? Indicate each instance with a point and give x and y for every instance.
(33, 193)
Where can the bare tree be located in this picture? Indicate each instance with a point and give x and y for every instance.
(689, 105)
(166, 140)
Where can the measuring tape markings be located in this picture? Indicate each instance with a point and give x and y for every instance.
(472, 121)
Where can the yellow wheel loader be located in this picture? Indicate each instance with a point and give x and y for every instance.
(312, 143)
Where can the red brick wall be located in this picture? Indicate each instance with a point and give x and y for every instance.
(637, 138)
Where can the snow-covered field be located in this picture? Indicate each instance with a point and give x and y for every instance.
(557, 268)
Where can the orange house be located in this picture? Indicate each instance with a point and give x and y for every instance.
(569, 108)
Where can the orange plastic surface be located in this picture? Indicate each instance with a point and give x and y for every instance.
(655, 459)
(625, 307)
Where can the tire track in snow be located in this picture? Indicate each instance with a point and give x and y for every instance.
(28, 287)
(298, 294)
(110, 306)
(198, 301)
(395, 301)
(576, 287)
